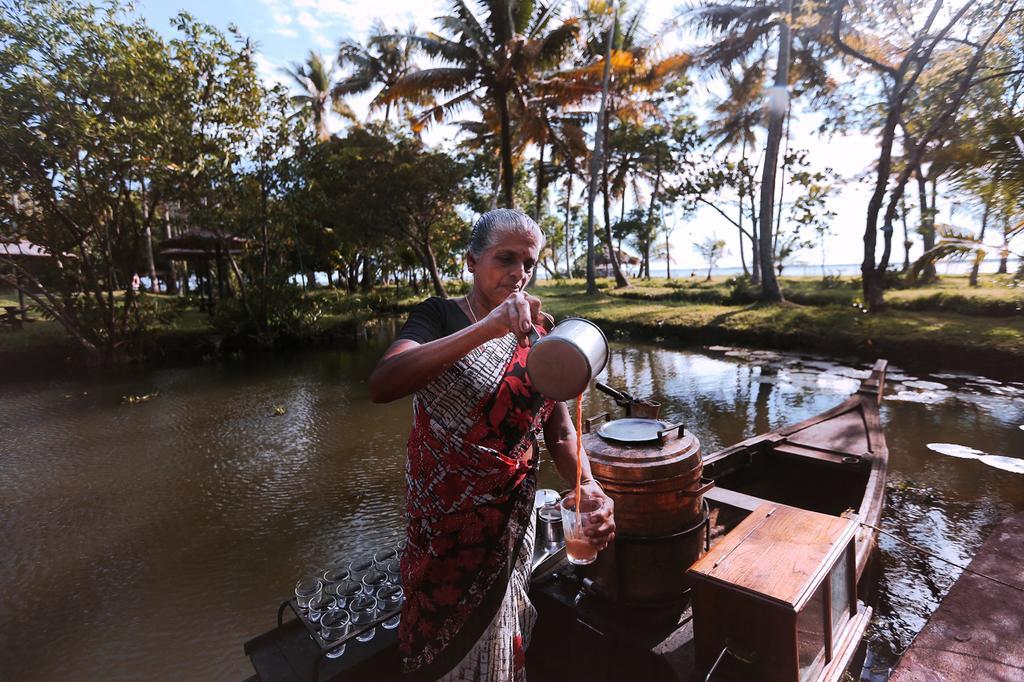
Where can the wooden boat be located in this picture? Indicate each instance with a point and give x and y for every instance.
(823, 476)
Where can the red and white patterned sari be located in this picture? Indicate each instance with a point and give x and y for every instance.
(469, 496)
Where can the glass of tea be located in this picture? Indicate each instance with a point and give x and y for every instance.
(578, 547)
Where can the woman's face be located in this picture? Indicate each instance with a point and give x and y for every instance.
(504, 268)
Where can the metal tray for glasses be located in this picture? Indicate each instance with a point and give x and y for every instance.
(355, 654)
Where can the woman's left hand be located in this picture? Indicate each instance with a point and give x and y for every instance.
(601, 529)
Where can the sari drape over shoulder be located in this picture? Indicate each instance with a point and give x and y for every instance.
(470, 491)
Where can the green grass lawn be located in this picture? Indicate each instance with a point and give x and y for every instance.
(949, 322)
(992, 342)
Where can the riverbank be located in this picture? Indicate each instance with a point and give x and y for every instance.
(917, 331)
(944, 326)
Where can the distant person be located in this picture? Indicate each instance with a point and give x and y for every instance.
(136, 283)
(472, 457)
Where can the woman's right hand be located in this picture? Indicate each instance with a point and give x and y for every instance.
(516, 314)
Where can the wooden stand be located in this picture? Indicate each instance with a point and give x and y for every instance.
(776, 599)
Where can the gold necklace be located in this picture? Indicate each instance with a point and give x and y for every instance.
(469, 304)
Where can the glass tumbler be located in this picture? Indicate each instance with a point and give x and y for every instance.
(389, 598)
(394, 571)
(359, 567)
(334, 575)
(373, 581)
(307, 589)
(578, 548)
(346, 591)
(364, 611)
(381, 558)
(320, 605)
(334, 625)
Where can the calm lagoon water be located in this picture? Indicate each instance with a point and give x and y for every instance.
(150, 540)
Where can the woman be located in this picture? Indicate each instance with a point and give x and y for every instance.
(471, 469)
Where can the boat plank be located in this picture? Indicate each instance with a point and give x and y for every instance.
(976, 632)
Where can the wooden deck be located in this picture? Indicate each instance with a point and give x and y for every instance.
(977, 631)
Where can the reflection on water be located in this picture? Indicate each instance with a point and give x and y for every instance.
(170, 530)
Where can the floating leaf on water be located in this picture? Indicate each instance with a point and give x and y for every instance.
(852, 373)
(1012, 464)
(279, 410)
(838, 383)
(925, 385)
(819, 364)
(136, 399)
(924, 397)
(954, 450)
(1011, 391)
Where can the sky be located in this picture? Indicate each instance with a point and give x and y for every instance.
(285, 31)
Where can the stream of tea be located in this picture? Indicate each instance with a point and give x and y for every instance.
(150, 540)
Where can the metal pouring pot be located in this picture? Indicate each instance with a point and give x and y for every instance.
(562, 364)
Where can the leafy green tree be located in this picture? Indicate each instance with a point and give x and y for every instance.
(903, 53)
(712, 249)
(95, 159)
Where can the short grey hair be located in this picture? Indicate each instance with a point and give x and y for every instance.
(494, 225)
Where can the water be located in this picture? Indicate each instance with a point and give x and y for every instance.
(170, 530)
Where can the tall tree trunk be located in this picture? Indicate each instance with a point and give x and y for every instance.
(973, 281)
(668, 258)
(568, 227)
(368, 274)
(172, 271)
(538, 203)
(782, 185)
(430, 261)
(150, 262)
(769, 284)
(613, 253)
(1004, 254)
(539, 199)
(739, 221)
(595, 160)
(755, 244)
(650, 210)
(507, 172)
(906, 234)
(927, 225)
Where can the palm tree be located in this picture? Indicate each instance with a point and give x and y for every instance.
(733, 122)
(315, 78)
(636, 70)
(741, 30)
(386, 58)
(496, 57)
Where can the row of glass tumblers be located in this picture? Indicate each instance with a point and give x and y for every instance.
(344, 597)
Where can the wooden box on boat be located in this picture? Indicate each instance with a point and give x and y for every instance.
(791, 573)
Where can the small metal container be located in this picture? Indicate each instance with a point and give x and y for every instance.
(562, 364)
(549, 527)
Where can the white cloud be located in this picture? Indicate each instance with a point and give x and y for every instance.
(270, 73)
(286, 32)
(322, 41)
(282, 19)
(307, 20)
